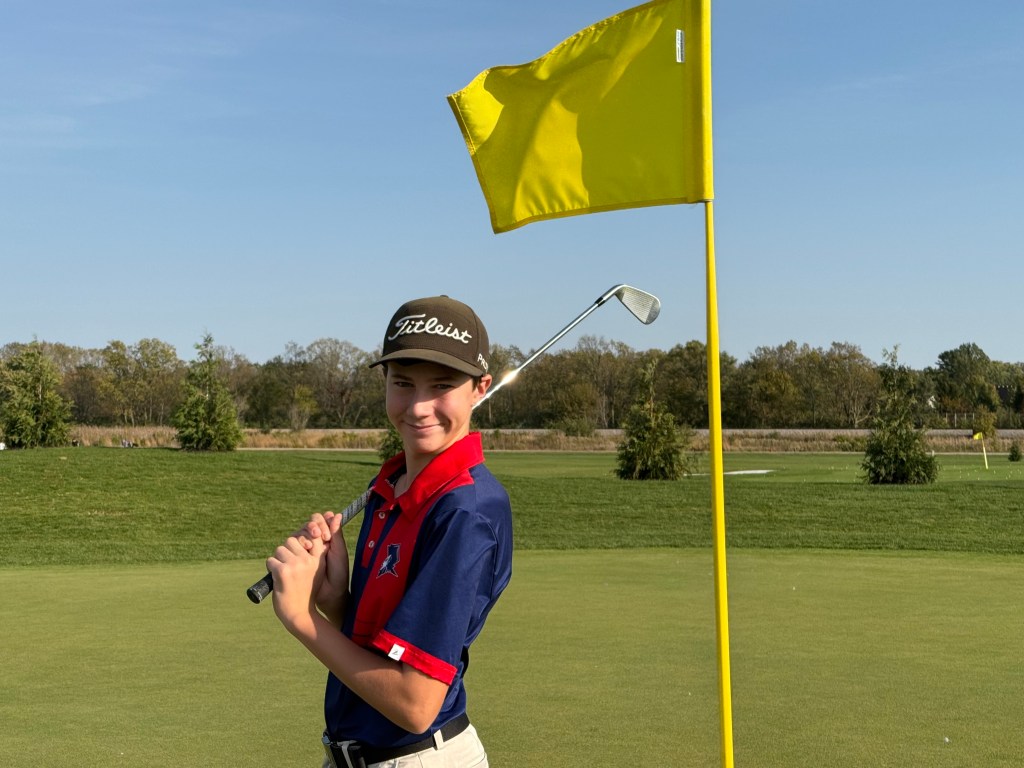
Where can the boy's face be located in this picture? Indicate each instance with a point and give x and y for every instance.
(430, 406)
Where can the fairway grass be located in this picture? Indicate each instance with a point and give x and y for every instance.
(599, 658)
(103, 506)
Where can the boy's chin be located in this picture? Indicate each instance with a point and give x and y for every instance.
(429, 443)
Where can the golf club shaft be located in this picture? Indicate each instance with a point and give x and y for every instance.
(265, 586)
(511, 375)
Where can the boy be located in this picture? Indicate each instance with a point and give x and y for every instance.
(433, 555)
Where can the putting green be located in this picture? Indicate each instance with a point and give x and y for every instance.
(593, 657)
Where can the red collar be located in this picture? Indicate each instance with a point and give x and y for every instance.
(457, 458)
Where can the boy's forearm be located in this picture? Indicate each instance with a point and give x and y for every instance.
(333, 609)
(405, 696)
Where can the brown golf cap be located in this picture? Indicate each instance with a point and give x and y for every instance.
(438, 329)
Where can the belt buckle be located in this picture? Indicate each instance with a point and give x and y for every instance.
(349, 751)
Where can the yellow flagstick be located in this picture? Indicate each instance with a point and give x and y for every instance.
(981, 436)
(715, 416)
(718, 496)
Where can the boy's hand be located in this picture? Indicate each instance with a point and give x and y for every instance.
(333, 590)
(298, 567)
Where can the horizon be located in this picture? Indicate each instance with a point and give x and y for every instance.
(564, 346)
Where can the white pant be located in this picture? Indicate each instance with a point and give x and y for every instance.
(462, 751)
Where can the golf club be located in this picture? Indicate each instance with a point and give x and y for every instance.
(642, 305)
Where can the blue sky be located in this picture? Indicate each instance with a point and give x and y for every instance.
(275, 172)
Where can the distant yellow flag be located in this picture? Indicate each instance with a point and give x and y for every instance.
(979, 435)
(617, 116)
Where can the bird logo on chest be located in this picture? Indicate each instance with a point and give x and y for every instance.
(391, 560)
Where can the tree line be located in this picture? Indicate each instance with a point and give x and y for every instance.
(327, 384)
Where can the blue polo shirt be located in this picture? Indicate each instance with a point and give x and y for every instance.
(428, 568)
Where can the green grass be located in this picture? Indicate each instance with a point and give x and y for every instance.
(868, 625)
(838, 659)
(150, 665)
(594, 658)
(151, 506)
(158, 505)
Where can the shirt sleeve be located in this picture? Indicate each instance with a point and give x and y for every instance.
(449, 593)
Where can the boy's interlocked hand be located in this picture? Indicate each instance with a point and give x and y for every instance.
(298, 567)
(332, 589)
(310, 571)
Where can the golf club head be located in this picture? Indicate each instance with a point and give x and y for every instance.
(644, 306)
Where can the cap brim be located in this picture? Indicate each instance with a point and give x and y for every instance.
(430, 356)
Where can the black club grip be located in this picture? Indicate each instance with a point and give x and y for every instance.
(260, 589)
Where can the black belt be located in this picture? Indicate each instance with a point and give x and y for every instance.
(346, 754)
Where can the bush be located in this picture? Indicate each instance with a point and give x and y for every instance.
(898, 457)
(32, 412)
(896, 450)
(1015, 453)
(207, 419)
(652, 444)
(390, 444)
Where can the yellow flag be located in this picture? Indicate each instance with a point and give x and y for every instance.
(617, 116)
(979, 435)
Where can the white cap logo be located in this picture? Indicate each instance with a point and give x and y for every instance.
(411, 324)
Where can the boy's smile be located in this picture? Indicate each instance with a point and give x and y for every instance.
(430, 405)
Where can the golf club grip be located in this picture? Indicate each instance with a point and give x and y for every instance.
(265, 586)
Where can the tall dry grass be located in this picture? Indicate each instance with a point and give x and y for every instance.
(164, 437)
(116, 437)
(847, 440)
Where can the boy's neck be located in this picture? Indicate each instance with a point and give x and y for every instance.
(414, 464)
(403, 483)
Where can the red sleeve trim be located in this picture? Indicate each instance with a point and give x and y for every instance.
(399, 650)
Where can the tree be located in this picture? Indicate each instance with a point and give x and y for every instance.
(769, 389)
(207, 419)
(33, 413)
(269, 395)
(851, 384)
(122, 383)
(683, 383)
(142, 381)
(652, 443)
(985, 423)
(333, 371)
(301, 408)
(896, 449)
(1009, 382)
(239, 375)
(809, 367)
(160, 375)
(963, 380)
(557, 393)
(84, 383)
(367, 409)
(607, 365)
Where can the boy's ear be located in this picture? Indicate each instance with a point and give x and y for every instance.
(483, 384)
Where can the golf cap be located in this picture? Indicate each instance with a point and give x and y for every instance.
(438, 329)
